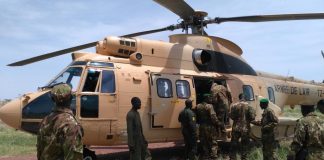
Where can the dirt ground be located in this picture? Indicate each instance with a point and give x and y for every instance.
(159, 151)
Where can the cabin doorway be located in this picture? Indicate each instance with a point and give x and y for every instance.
(203, 85)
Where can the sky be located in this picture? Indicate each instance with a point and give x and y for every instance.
(30, 28)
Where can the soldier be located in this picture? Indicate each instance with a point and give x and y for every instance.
(268, 125)
(207, 119)
(187, 118)
(221, 99)
(60, 134)
(308, 142)
(137, 143)
(242, 115)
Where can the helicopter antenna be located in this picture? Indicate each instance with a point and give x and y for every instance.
(287, 77)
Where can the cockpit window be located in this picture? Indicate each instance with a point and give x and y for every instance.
(108, 82)
(90, 84)
(42, 106)
(101, 64)
(75, 63)
(39, 108)
(70, 76)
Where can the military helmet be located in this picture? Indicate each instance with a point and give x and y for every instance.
(61, 93)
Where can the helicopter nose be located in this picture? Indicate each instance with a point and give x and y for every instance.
(11, 113)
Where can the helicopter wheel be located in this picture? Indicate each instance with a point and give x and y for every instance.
(88, 154)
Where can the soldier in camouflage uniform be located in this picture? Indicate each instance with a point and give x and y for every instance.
(268, 125)
(221, 100)
(207, 120)
(60, 134)
(187, 118)
(242, 115)
(137, 143)
(308, 142)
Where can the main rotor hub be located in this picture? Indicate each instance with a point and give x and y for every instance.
(200, 14)
(196, 23)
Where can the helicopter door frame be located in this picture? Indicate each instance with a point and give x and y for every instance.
(106, 117)
(90, 91)
(166, 104)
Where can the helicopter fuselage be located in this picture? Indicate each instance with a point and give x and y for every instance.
(163, 75)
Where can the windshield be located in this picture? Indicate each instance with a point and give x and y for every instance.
(70, 76)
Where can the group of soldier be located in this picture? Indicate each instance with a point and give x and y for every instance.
(60, 133)
(308, 142)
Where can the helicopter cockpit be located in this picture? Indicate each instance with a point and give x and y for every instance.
(96, 74)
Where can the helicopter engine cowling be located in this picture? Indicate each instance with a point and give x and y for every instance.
(201, 57)
(117, 46)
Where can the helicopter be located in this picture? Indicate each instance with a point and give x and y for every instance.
(163, 75)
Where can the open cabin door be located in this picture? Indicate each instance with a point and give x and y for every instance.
(169, 93)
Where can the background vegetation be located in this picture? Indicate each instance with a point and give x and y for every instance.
(14, 142)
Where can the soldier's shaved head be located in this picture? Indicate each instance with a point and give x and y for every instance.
(306, 109)
(242, 96)
(136, 102)
(188, 103)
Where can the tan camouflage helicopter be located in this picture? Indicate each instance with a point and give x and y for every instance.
(163, 75)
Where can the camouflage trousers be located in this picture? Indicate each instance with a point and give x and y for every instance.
(239, 146)
(222, 113)
(208, 142)
(269, 147)
(315, 154)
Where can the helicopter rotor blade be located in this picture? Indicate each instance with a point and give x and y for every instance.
(84, 46)
(322, 54)
(52, 54)
(266, 18)
(170, 28)
(179, 7)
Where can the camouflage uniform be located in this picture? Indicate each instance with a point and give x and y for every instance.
(221, 99)
(60, 134)
(208, 121)
(241, 114)
(136, 141)
(187, 118)
(309, 132)
(268, 124)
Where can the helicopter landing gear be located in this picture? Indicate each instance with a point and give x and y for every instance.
(89, 154)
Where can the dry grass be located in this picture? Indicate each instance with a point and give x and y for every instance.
(14, 142)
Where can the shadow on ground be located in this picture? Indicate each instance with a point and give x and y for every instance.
(173, 153)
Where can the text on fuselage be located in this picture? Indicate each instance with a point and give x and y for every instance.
(292, 90)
